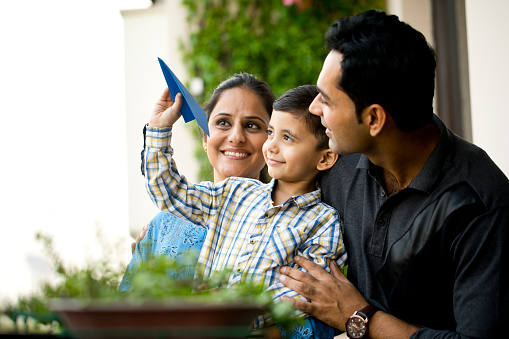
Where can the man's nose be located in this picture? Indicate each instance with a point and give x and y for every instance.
(316, 106)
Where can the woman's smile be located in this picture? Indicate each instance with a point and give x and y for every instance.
(237, 133)
(235, 153)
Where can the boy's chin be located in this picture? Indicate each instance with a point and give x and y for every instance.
(273, 174)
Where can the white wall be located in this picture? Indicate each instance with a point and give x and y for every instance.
(488, 53)
(73, 100)
(149, 34)
(63, 153)
(418, 13)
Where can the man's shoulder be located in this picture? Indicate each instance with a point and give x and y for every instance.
(346, 164)
(471, 164)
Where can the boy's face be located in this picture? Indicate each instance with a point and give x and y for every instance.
(290, 150)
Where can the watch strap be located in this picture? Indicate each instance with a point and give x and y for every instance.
(368, 311)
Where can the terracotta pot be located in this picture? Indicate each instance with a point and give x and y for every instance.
(124, 320)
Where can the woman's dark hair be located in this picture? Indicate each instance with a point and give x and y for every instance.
(296, 101)
(385, 62)
(249, 82)
(245, 80)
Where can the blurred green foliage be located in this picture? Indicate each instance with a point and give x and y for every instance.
(282, 45)
(153, 282)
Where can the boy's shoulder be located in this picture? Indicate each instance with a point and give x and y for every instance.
(328, 209)
(321, 213)
(313, 200)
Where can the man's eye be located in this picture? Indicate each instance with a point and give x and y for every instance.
(269, 132)
(287, 137)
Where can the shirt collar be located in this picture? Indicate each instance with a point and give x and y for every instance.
(302, 201)
(430, 172)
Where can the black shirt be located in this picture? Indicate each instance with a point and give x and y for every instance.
(436, 253)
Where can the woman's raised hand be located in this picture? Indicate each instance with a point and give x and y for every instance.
(166, 112)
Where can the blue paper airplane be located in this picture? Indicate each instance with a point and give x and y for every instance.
(190, 109)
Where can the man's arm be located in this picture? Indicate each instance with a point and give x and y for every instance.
(334, 299)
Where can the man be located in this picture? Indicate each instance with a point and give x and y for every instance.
(425, 213)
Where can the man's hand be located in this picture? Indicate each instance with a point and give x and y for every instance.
(333, 298)
(140, 236)
(166, 112)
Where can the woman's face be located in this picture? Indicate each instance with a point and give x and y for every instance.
(238, 128)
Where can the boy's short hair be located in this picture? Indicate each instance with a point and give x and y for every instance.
(296, 101)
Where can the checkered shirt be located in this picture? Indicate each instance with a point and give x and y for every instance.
(245, 232)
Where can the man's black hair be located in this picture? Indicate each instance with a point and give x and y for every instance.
(385, 62)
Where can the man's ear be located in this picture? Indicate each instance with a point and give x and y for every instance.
(328, 160)
(375, 116)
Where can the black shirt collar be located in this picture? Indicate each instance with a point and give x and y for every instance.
(430, 172)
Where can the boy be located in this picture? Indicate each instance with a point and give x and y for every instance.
(254, 228)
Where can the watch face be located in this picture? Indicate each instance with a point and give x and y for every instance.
(356, 327)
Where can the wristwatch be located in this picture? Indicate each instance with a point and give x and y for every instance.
(357, 324)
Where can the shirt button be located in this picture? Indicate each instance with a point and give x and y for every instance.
(381, 222)
(239, 270)
(252, 241)
(382, 194)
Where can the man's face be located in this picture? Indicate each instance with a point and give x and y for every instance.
(337, 110)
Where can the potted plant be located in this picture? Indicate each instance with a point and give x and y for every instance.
(86, 304)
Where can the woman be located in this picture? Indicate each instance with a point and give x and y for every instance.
(238, 111)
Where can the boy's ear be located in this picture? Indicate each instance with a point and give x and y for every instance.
(328, 160)
(376, 117)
